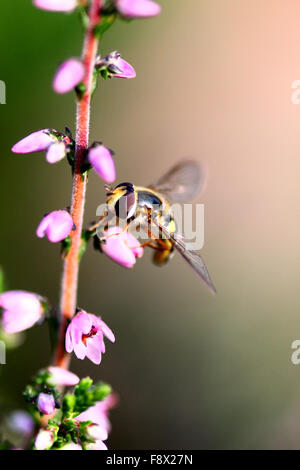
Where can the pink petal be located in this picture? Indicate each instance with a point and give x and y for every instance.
(103, 163)
(46, 403)
(80, 350)
(93, 350)
(21, 310)
(97, 432)
(20, 300)
(82, 323)
(57, 225)
(35, 142)
(127, 71)
(68, 340)
(56, 5)
(44, 439)
(138, 8)
(116, 249)
(134, 245)
(60, 376)
(56, 152)
(106, 330)
(13, 322)
(98, 413)
(68, 76)
(20, 422)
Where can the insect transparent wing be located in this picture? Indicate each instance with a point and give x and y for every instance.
(182, 183)
(196, 262)
(193, 258)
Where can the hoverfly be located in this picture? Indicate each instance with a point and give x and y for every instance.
(152, 204)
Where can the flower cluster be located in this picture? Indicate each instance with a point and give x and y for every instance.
(82, 422)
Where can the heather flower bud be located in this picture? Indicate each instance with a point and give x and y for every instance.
(56, 5)
(35, 142)
(96, 432)
(137, 8)
(102, 161)
(114, 66)
(56, 151)
(21, 310)
(56, 225)
(44, 439)
(60, 376)
(46, 403)
(69, 75)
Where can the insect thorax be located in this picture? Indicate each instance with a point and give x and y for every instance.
(156, 203)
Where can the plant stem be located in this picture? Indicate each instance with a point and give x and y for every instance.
(69, 285)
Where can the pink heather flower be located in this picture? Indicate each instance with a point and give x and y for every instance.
(56, 5)
(46, 403)
(98, 413)
(35, 142)
(68, 76)
(121, 69)
(44, 439)
(20, 422)
(102, 161)
(96, 432)
(138, 8)
(122, 247)
(85, 335)
(21, 310)
(116, 66)
(56, 151)
(57, 225)
(60, 376)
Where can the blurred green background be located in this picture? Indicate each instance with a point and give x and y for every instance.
(213, 81)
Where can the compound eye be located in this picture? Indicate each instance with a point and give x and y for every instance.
(125, 206)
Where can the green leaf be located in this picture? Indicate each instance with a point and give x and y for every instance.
(68, 404)
(105, 73)
(66, 245)
(85, 237)
(80, 90)
(83, 386)
(102, 390)
(107, 20)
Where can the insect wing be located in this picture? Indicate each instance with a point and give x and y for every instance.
(182, 183)
(193, 258)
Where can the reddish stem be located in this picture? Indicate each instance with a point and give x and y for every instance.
(68, 300)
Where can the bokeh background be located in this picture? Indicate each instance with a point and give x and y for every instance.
(193, 371)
